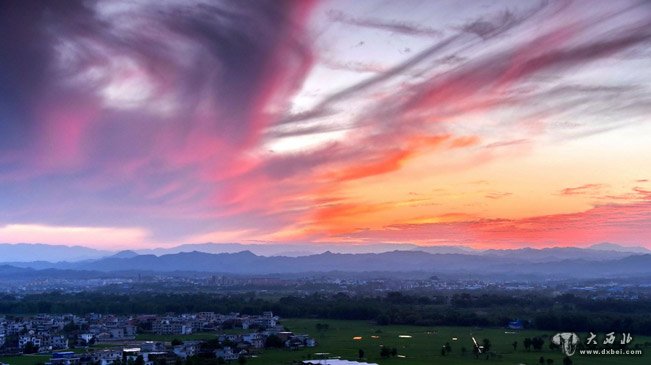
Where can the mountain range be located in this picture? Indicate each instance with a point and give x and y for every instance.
(24, 252)
(550, 262)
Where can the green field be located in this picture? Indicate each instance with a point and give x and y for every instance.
(24, 360)
(424, 347)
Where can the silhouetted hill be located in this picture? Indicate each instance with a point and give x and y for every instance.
(246, 262)
(125, 254)
(294, 250)
(605, 246)
(21, 252)
(558, 254)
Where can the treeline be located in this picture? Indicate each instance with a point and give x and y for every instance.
(565, 312)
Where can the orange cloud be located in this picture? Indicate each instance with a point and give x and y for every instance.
(587, 189)
(624, 223)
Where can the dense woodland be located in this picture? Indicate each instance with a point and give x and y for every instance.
(565, 312)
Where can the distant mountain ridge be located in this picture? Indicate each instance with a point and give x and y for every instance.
(11, 252)
(294, 250)
(269, 258)
(606, 246)
(23, 252)
(246, 262)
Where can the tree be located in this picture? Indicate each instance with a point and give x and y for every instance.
(70, 327)
(487, 344)
(537, 343)
(30, 348)
(322, 326)
(383, 320)
(360, 354)
(273, 341)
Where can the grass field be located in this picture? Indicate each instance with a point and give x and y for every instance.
(424, 347)
(24, 360)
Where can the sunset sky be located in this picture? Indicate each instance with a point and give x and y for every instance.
(498, 124)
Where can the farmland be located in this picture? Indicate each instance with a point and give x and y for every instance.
(425, 344)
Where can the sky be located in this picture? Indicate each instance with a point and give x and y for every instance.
(490, 124)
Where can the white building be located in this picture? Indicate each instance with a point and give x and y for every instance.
(335, 362)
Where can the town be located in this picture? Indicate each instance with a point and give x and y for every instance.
(72, 339)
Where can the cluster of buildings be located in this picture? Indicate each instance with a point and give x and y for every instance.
(55, 334)
(42, 332)
(206, 321)
(228, 347)
(45, 332)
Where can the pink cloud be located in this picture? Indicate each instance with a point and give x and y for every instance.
(587, 189)
(624, 223)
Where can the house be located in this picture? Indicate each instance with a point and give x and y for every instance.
(229, 337)
(158, 357)
(171, 327)
(131, 353)
(187, 349)
(306, 340)
(64, 358)
(106, 357)
(58, 342)
(24, 340)
(227, 354)
(255, 339)
(130, 330)
(116, 333)
(151, 346)
(266, 320)
(334, 362)
(86, 337)
(294, 343)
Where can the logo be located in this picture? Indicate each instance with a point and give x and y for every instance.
(568, 341)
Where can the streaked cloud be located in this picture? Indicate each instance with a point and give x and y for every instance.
(308, 121)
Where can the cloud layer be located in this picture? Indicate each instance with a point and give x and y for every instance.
(305, 121)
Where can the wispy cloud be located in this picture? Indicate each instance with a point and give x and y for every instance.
(587, 189)
(386, 25)
(116, 115)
